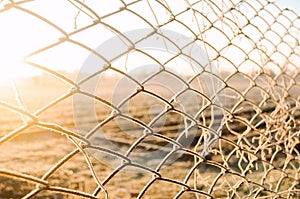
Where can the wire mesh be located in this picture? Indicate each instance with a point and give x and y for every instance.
(254, 152)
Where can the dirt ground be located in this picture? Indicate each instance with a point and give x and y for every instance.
(230, 170)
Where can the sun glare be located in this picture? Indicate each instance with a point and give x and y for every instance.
(13, 48)
(20, 35)
(11, 61)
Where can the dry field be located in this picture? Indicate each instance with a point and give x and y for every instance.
(226, 172)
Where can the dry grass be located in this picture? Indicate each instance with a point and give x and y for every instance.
(36, 150)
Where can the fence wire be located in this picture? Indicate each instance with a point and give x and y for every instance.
(254, 152)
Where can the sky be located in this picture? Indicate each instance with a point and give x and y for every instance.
(291, 4)
(23, 34)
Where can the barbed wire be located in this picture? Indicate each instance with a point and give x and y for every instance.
(253, 50)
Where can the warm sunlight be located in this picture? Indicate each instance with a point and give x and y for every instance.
(11, 62)
(16, 42)
(149, 99)
(21, 34)
(10, 68)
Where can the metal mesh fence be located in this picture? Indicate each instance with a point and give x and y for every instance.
(222, 127)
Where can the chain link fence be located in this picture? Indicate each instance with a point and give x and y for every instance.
(187, 99)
